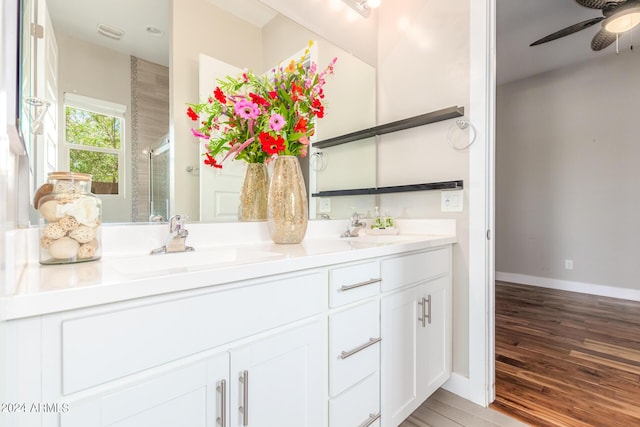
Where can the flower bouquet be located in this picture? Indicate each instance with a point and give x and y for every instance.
(254, 118)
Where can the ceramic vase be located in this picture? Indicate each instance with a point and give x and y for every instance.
(254, 192)
(287, 207)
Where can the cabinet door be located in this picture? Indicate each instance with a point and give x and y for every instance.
(183, 396)
(278, 380)
(434, 339)
(399, 312)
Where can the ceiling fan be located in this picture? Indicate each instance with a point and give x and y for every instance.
(618, 17)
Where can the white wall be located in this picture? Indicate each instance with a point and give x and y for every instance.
(423, 66)
(199, 27)
(90, 70)
(567, 173)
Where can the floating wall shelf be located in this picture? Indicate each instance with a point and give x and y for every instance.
(444, 185)
(411, 122)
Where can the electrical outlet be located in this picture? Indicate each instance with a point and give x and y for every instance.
(324, 205)
(568, 264)
(451, 201)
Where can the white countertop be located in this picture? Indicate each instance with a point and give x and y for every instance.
(126, 271)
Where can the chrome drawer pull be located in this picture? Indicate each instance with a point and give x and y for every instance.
(358, 285)
(222, 388)
(429, 309)
(422, 319)
(244, 380)
(372, 419)
(369, 343)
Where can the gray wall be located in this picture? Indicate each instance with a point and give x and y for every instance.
(568, 173)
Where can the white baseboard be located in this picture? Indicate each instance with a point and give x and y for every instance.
(567, 285)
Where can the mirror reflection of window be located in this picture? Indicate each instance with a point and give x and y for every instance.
(94, 141)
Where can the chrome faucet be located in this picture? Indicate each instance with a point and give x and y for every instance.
(177, 239)
(354, 226)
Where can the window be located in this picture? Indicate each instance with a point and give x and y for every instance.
(94, 141)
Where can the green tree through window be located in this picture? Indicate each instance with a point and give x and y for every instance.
(96, 141)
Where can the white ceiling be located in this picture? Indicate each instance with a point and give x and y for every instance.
(80, 18)
(521, 22)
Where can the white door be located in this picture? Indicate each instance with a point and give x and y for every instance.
(399, 313)
(434, 338)
(219, 188)
(279, 381)
(186, 396)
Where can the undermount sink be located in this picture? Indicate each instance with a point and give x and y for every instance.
(190, 261)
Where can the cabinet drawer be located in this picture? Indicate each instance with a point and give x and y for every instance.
(358, 406)
(354, 346)
(353, 283)
(409, 269)
(102, 347)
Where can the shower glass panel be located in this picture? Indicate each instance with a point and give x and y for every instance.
(159, 183)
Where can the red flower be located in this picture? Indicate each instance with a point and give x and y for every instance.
(270, 144)
(273, 94)
(220, 95)
(192, 114)
(301, 126)
(257, 99)
(318, 108)
(296, 92)
(212, 162)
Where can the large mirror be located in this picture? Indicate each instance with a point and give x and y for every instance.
(107, 82)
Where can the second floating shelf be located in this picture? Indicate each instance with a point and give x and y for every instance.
(444, 185)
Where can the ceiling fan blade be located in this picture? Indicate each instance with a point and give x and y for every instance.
(602, 39)
(569, 30)
(594, 4)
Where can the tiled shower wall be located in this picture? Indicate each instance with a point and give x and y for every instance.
(150, 127)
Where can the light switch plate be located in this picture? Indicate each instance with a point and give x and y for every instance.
(451, 201)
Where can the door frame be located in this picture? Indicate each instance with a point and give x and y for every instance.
(479, 385)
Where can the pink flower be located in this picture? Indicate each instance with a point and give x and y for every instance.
(246, 109)
(277, 122)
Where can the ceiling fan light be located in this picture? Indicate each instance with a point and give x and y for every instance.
(622, 22)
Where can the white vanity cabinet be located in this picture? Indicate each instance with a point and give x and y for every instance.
(416, 330)
(354, 344)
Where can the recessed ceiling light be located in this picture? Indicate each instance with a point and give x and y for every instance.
(154, 31)
(109, 31)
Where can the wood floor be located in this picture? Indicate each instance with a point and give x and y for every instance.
(444, 409)
(567, 359)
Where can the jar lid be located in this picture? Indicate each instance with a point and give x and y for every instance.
(76, 176)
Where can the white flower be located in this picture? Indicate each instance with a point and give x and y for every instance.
(85, 210)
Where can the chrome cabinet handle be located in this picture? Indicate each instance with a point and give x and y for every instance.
(244, 380)
(429, 309)
(369, 343)
(372, 419)
(358, 285)
(222, 388)
(422, 319)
